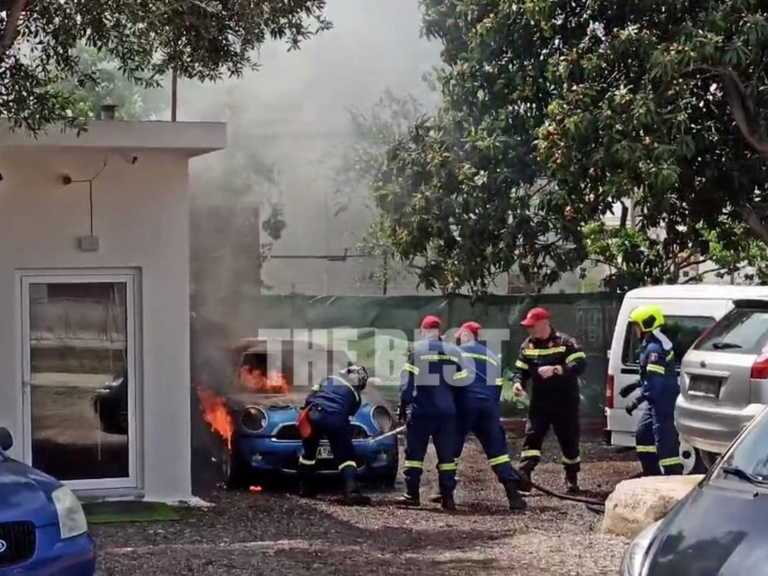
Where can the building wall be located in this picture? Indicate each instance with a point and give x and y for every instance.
(141, 218)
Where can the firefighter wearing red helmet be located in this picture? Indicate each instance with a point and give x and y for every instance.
(548, 369)
(478, 397)
(427, 399)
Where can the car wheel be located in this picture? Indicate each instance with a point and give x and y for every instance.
(692, 461)
(232, 470)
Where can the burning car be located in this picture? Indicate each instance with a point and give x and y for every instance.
(258, 422)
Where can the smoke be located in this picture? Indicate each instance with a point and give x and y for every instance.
(289, 127)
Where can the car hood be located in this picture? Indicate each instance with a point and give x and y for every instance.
(25, 494)
(716, 531)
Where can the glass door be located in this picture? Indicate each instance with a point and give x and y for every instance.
(80, 377)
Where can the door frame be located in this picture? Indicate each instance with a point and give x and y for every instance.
(131, 279)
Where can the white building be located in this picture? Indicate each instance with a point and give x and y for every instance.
(94, 286)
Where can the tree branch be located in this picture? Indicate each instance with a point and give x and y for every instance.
(12, 18)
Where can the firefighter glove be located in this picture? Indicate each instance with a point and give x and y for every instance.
(629, 388)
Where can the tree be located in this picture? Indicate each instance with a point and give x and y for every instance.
(640, 112)
(462, 197)
(199, 39)
(110, 86)
(372, 133)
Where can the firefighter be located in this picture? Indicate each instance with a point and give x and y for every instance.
(328, 409)
(427, 400)
(478, 398)
(657, 443)
(548, 369)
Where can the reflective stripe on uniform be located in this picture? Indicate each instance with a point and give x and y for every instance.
(543, 351)
(447, 467)
(670, 356)
(656, 369)
(461, 375)
(645, 449)
(411, 368)
(575, 356)
(347, 464)
(504, 458)
(522, 365)
(499, 381)
(480, 357)
(435, 357)
(306, 462)
(530, 454)
(671, 461)
(567, 461)
(414, 464)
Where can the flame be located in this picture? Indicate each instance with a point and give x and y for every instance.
(216, 414)
(273, 383)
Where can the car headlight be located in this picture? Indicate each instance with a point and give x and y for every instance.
(383, 418)
(72, 520)
(635, 557)
(254, 419)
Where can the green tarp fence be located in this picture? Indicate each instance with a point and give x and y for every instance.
(590, 318)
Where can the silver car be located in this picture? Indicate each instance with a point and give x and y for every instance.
(724, 380)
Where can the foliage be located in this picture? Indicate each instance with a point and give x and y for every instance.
(110, 86)
(554, 112)
(373, 131)
(462, 196)
(639, 111)
(200, 39)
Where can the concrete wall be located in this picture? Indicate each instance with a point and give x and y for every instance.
(141, 218)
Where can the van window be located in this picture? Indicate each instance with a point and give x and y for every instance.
(741, 331)
(682, 330)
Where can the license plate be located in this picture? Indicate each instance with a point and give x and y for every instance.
(324, 452)
(705, 387)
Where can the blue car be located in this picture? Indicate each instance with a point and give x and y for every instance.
(266, 440)
(43, 530)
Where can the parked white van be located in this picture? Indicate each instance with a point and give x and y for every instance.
(689, 311)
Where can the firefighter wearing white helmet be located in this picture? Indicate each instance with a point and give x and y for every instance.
(658, 446)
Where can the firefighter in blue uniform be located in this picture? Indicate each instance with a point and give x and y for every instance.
(478, 396)
(329, 408)
(657, 443)
(548, 368)
(427, 399)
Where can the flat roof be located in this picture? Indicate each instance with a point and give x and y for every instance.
(190, 138)
(700, 292)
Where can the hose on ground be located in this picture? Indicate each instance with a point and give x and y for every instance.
(580, 499)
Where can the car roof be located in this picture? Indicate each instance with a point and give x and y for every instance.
(699, 292)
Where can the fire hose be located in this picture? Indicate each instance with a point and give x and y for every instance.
(593, 505)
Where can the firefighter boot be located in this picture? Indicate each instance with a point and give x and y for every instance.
(352, 494)
(516, 502)
(448, 503)
(307, 484)
(572, 482)
(411, 498)
(525, 486)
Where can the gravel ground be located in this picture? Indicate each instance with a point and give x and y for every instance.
(279, 533)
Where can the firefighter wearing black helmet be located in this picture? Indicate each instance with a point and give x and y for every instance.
(328, 409)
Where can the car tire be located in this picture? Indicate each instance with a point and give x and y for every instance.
(232, 470)
(692, 460)
(389, 479)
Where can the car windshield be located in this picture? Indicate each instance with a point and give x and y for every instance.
(741, 331)
(751, 452)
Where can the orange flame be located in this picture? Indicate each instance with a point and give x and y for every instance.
(216, 414)
(255, 381)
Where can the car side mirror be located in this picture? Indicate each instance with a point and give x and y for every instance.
(6, 440)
